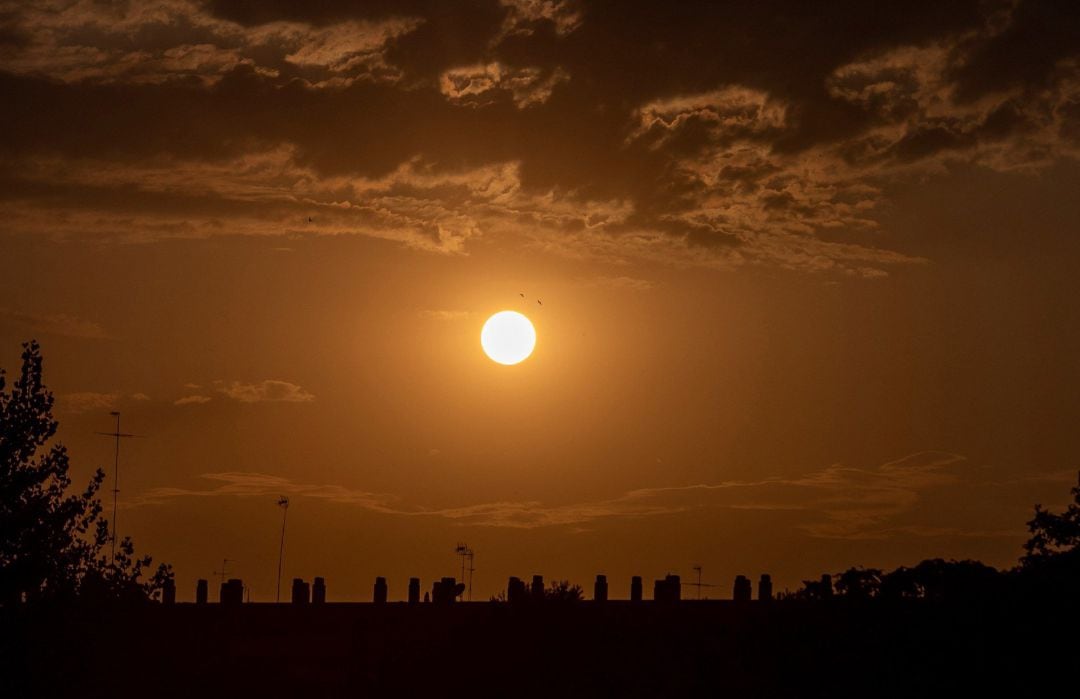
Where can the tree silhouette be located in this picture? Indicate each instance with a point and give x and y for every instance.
(1053, 534)
(940, 579)
(51, 543)
(858, 583)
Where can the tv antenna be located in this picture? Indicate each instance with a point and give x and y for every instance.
(224, 572)
(700, 584)
(466, 553)
(117, 435)
(283, 503)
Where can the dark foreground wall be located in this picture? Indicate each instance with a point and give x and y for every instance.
(616, 649)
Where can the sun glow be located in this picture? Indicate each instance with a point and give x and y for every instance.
(508, 337)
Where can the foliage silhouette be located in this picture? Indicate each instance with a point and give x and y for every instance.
(1053, 534)
(52, 543)
(563, 591)
(858, 583)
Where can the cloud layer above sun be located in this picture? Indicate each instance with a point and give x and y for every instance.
(767, 134)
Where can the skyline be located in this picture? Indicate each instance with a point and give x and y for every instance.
(807, 277)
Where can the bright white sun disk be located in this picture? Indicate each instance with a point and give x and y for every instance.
(508, 337)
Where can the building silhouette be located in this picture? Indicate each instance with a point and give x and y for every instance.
(318, 591)
(742, 589)
(232, 592)
(380, 591)
(635, 588)
(600, 588)
(668, 590)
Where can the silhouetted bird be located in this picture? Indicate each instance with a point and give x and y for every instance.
(521, 295)
(540, 302)
(310, 220)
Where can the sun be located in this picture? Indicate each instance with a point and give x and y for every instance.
(508, 337)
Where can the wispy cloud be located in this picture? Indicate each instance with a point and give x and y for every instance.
(267, 391)
(81, 43)
(56, 324)
(721, 158)
(619, 282)
(445, 315)
(835, 502)
(192, 400)
(485, 84)
(87, 401)
(247, 484)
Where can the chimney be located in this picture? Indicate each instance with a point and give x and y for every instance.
(232, 592)
(414, 590)
(318, 591)
(202, 592)
(742, 588)
(668, 590)
(635, 588)
(301, 593)
(380, 590)
(446, 591)
(764, 588)
(515, 590)
(538, 587)
(600, 589)
(168, 592)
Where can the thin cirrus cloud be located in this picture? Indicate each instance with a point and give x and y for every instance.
(445, 315)
(63, 324)
(88, 401)
(835, 502)
(192, 400)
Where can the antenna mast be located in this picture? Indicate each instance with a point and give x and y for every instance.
(224, 569)
(283, 503)
(116, 434)
(465, 552)
(700, 584)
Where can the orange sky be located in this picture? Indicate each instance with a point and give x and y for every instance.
(808, 280)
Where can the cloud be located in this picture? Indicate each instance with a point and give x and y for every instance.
(88, 401)
(267, 391)
(730, 113)
(56, 324)
(246, 484)
(483, 84)
(528, 16)
(620, 282)
(128, 44)
(270, 192)
(192, 400)
(717, 138)
(446, 315)
(835, 502)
